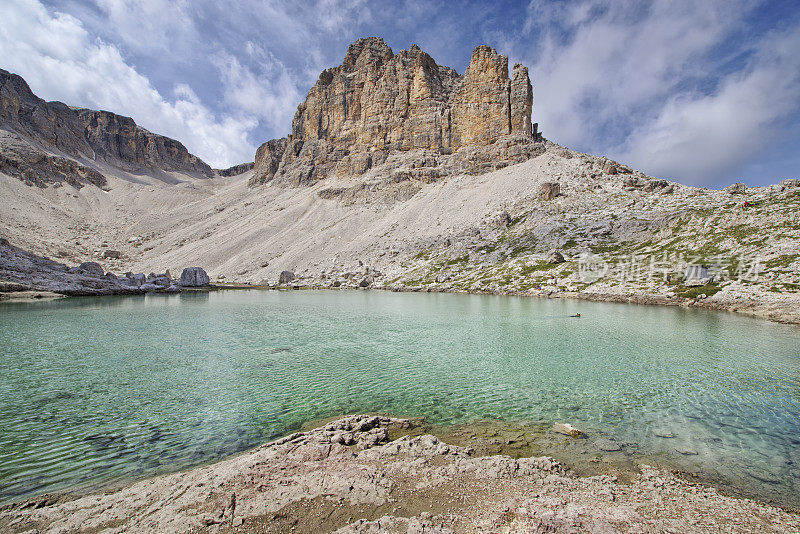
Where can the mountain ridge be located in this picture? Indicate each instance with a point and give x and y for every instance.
(51, 142)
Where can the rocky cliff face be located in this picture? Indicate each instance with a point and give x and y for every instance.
(377, 103)
(116, 138)
(50, 142)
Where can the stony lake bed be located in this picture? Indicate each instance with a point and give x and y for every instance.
(88, 405)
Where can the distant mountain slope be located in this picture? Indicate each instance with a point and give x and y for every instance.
(49, 142)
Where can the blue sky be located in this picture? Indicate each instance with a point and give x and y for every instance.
(705, 93)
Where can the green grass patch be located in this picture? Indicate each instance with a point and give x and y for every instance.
(527, 270)
(606, 247)
(781, 261)
(461, 260)
(694, 292)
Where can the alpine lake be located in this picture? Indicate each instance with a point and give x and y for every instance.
(104, 390)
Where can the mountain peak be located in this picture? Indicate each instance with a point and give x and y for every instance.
(377, 103)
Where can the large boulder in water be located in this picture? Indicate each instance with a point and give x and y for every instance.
(194, 277)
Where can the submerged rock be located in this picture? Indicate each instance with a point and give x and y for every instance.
(567, 429)
(194, 277)
(608, 445)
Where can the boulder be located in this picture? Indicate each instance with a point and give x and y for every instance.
(631, 182)
(567, 429)
(194, 277)
(366, 282)
(549, 190)
(736, 189)
(90, 268)
(609, 167)
(285, 277)
(161, 281)
(150, 287)
(505, 219)
(555, 257)
(656, 185)
(112, 254)
(789, 183)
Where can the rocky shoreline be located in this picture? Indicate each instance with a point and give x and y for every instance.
(25, 276)
(785, 314)
(374, 474)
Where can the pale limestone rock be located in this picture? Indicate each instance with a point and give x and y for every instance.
(567, 429)
(736, 189)
(377, 104)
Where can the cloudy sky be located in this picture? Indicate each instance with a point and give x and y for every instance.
(703, 92)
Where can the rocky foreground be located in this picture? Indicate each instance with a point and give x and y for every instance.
(352, 476)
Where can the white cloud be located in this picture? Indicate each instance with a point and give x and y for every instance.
(592, 71)
(147, 26)
(676, 88)
(272, 96)
(61, 60)
(707, 138)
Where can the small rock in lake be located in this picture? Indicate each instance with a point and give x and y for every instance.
(687, 452)
(663, 433)
(567, 429)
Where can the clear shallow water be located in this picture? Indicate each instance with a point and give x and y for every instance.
(98, 389)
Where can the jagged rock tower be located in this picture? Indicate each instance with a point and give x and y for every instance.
(377, 103)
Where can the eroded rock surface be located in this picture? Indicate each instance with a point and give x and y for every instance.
(377, 104)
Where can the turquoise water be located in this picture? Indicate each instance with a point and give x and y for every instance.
(101, 389)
